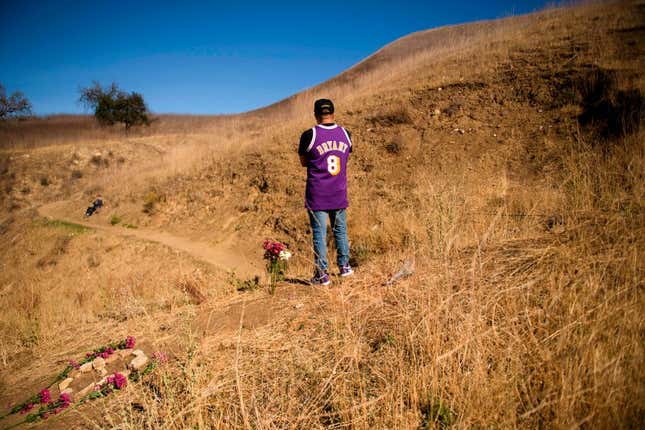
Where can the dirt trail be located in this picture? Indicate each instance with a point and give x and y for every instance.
(225, 258)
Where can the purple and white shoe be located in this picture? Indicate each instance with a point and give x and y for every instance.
(346, 270)
(321, 278)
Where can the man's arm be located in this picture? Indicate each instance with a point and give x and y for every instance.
(305, 140)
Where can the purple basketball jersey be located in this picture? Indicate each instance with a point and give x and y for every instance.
(326, 168)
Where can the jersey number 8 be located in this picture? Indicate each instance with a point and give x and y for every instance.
(333, 165)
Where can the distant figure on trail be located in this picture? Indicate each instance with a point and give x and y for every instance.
(324, 151)
(96, 205)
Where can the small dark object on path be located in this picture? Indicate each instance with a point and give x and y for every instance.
(96, 205)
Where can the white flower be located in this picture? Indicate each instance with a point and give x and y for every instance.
(284, 255)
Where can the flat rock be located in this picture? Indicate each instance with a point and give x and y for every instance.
(87, 390)
(64, 384)
(139, 362)
(125, 352)
(138, 352)
(112, 357)
(103, 372)
(86, 367)
(98, 363)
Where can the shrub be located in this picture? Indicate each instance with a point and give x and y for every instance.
(436, 414)
(391, 116)
(98, 160)
(396, 145)
(609, 111)
(149, 202)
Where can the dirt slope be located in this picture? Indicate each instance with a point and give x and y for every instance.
(506, 158)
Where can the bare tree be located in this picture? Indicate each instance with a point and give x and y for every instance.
(15, 105)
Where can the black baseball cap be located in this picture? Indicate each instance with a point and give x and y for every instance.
(323, 107)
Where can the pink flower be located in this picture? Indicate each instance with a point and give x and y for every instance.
(104, 355)
(273, 247)
(277, 247)
(45, 415)
(26, 408)
(160, 357)
(119, 380)
(65, 400)
(57, 410)
(129, 342)
(110, 350)
(74, 364)
(45, 396)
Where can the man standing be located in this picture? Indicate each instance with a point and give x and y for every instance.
(324, 150)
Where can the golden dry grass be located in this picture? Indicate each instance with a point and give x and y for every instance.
(526, 229)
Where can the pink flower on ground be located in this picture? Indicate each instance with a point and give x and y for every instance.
(26, 408)
(45, 415)
(119, 380)
(57, 410)
(45, 396)
(160, 357)
(65, 400)
(74, 364)
(110, 350)
(104, 355)
(129, 342)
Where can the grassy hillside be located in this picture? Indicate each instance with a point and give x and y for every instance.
(503, 160)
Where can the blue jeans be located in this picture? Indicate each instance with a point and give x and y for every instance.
(338, 220)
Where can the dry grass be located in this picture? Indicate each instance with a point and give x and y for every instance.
(526, 226)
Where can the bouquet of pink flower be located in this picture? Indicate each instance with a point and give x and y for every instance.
(277, 256)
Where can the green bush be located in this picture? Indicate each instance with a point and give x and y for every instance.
(112, 105)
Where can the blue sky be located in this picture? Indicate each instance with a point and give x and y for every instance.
(206, 57)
